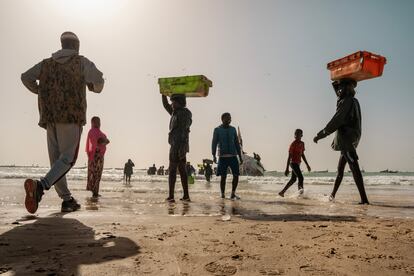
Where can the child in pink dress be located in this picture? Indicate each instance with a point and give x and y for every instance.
(95, 149)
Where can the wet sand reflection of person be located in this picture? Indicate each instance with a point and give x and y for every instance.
(172, 208)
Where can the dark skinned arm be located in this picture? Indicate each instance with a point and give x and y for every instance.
(103, 141)
(238, 148)
(287, 164)
(214, 143)
(167, 105)
(306, 162)
(337, 120)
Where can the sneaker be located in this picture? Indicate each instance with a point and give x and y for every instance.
(331, 198)
(170, 199)
(301, 191)
(185, 199)
(234, 197)
(34, 192)
(223, 196)
(70, 205)
(281, 194)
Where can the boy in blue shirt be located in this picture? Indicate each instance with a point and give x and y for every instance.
(225, 137)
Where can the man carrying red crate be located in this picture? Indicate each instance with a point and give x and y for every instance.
(347, 124)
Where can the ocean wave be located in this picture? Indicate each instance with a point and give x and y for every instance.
(116, 175)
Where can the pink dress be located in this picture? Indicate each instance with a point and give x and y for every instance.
(95, 152)
(92, 143)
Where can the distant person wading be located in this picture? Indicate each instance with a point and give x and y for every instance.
(61, 93)
(95, 149)
(128, 171)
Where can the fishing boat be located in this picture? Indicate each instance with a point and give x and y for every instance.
(252, 165)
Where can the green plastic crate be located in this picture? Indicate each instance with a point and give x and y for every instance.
(191, 86)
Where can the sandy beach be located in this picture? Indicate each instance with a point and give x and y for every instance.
(134, 232)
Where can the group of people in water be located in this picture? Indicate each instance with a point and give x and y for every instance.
(60, 83)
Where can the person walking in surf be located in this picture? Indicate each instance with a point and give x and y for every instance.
(296, 154)
(346, 123)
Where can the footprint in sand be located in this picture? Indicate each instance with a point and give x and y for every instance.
(220, 269)
(270, 272)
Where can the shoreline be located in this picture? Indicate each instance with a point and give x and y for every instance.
(138, 233)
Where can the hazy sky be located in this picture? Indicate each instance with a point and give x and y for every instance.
(267, 61)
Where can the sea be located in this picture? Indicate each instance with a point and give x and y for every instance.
(391, 194)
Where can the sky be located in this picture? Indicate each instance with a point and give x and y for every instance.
(267, 61)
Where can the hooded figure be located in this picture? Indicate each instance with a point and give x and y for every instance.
(347, 119)
(61, 92)
(347, 124)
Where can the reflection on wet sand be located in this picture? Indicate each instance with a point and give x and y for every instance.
(173, 209)
(92, 203)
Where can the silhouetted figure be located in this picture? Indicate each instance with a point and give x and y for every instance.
(201, 170)
(208, 171)
(347, 124)
(226, 139)
(95, 148)
(296, 154)
(61, 94)
(152, 170)
(257, 157)
(160, 170)
(190, 169)
(178, 138)
(128, 171)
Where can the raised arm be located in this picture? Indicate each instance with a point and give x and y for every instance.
(166, 104)
(30, 78)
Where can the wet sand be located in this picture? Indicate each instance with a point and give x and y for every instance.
(134, 232)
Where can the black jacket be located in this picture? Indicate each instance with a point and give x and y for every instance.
(180, 122)
(347, 124)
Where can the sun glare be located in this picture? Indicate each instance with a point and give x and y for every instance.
(88, 9)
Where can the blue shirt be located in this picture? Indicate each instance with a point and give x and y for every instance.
(227, 141)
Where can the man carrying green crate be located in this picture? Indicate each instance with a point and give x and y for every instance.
(178, 138)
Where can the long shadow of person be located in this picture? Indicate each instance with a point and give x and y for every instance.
(235, 209)
(58, 246)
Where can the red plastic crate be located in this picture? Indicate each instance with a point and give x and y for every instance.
(359, 66)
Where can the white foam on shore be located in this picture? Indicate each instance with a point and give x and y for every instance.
(116, 175)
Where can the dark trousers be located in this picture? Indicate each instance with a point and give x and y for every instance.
(172, 177)
(296, 175)
(351, 158)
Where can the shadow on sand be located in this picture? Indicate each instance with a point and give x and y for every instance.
(255, 214)
(58, 246)
(297, 217)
